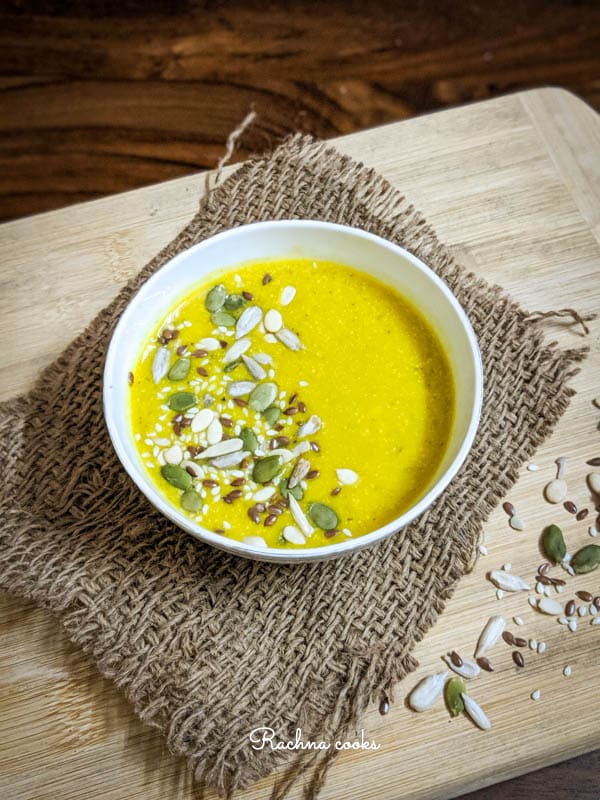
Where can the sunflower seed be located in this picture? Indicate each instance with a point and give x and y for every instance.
(222, 448)
(209, 344)
(254, 368)
(174, 455)
(468, 669)
(263, 358)
(489, 635)
(287, 295)
(291, 534)
(273, 321)
(299, 516)
(214, 432)
(301, 448)
(476, 713)
(254, 541)
(556, 491)
(240, 388)
(593, 480)
(346, 477)
(202, 420)
(312, 425)
(427, 692)
(248, 320)
(289, 339)
(299, 472)
(229, 460)
(236, 350)
(264, 494)
(160, 364)
(507, 581)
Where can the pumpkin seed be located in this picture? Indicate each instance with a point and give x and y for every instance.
(180, 401)
(553, 543)
(191, 501)
(452, 694)
(234, 301)
(271, 415)
(249, 439)
(312, 425)
(176, 476)
(249, 319)
(586, 559)
(284, 490)
(160, 364)
(265, 469)
(262, 396)
(222, 318)
(180, 369)
(323, 516)
(215, 298)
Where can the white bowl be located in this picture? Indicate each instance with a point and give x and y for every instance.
(310, 239)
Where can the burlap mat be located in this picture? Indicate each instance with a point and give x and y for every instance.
(206, 646)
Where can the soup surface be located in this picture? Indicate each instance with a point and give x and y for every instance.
(295, 402)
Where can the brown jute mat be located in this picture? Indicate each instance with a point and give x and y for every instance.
(208, 647)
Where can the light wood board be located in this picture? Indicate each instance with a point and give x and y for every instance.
(513, 186)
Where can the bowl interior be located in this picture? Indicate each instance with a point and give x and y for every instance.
(299, 239)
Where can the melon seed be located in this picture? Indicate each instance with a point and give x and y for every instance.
(265, 469)
(215, 298)
(586, 559)
(553, 543)
(180, 369)
(262, 396)
(180, 401)
(191, 501)
(323, 516)
(452, 694)
(176, 476)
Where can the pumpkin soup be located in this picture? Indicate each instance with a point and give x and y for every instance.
(292, 403)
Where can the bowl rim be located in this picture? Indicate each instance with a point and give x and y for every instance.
(272, 554)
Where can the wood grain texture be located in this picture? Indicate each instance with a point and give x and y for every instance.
(513, 186)
(101, 97)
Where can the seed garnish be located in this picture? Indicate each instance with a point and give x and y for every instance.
(517, 657)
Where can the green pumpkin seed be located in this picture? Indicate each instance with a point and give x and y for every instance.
(180, 369)
(553, 543)
(265, 469)
(176, 476)
(180, 401)
(191, 501)
(234, 301)
(586, 559)
(222, 318)
(452, 694)
(262, 396)
(249, 440)
(295, 491)
(323, 516)
(215, 298)
(271, 415)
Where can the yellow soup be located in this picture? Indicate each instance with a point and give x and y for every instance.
(292, 403)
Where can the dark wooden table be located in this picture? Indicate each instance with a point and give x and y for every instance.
(99, 97)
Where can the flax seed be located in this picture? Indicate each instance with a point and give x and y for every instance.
(508, 638)
(314, 473)
(248, 296)
(291, 410)
(270, 520)
(456, 659)
(315, 447)
(293, 398)
(209, 483)
(384, 705)
(570, 608)
(226, 422)
(520, 642)
(274, 510)
(330, 534)
(336, 491)
(130, 378)
(240, 402)
(509, 509)
(181, 349)
(518, 658)
(200, 353)
(582, 514)
(267, 279)
(569, 506)
(202, 371)
(254, 514)
(238, 482)
(587, 597)
(484, 663)
(302, 407)
(544, 568)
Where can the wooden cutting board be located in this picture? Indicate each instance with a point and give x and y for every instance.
(513, 186)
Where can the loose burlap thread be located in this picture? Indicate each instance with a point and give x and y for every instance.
(207, 646)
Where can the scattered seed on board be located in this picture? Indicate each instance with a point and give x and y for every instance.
(517, 524)
(475, 712)
(548, 605)
(535, 695)
(533, 644)
(532, 601)
(490, 634)
(509, 509)
(484, 663)
(517, 657)
(532, 467)
(572, 625)
(517, 620)
(541, 647)
(427, 691)
(567, 671)
(468, 669)
(508, 581)
(499, 594)
(384, 703)
(483, 550)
